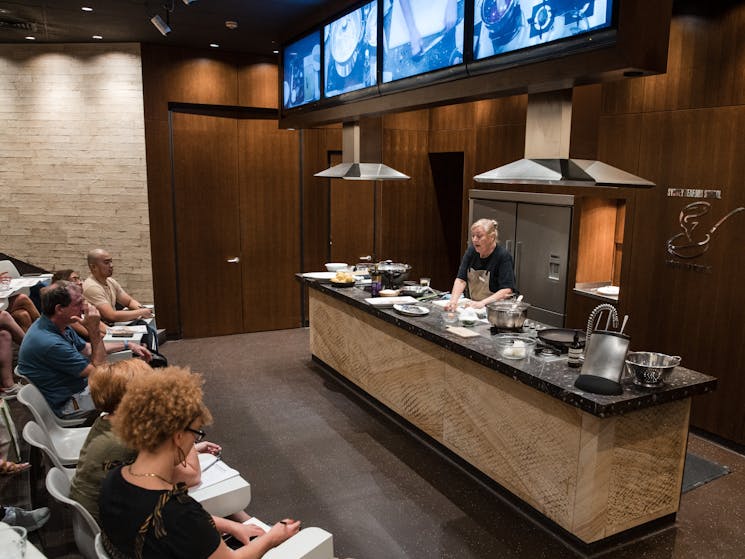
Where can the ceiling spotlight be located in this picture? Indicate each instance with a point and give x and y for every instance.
(87, 9)
(275, 51)
(29, 38)
(160, 25)
(97, 37)
(231, 24)
(187, 2)
(213, 45)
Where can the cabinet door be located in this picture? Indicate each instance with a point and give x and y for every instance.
(506, 215)
(541, 255)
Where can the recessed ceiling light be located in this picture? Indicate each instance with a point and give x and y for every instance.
(97, 37)
(87, 9)
(275, 51)
(29, 38)
(214, 45)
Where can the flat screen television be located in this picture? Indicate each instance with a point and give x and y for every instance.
(504, 26)
(302, 71)
(421, 36)
(350, 51)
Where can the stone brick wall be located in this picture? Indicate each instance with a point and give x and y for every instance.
(72, 158)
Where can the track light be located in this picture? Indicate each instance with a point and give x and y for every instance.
(187, 2)
(160, 25)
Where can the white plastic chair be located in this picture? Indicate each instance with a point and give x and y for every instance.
(35, 436)
(100, 551)
(30, 397)
(84, 527)
(12, 271)
(66, 442)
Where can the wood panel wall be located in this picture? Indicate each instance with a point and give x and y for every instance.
(269, 160)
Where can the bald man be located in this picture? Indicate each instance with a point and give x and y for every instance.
(104, 292)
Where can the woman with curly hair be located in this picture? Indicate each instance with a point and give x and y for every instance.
(144, 514)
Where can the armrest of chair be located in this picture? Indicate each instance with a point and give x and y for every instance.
(308, 543)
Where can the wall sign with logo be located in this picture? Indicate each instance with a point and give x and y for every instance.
(695, 236)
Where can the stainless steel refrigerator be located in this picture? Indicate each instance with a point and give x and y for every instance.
(535, 228)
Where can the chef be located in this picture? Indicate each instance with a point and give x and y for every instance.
(486, 269)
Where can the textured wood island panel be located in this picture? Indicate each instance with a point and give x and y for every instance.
(592, 476)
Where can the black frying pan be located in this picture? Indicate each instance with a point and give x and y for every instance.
(561, 338)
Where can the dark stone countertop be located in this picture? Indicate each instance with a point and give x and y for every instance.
(549, 375)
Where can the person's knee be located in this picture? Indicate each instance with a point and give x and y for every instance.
(22, 317)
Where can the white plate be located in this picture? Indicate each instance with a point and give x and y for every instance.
(608, 290)
(411, 310)
(319, 275)
(388, 302)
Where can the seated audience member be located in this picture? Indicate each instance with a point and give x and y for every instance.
(57, 360)
(104, 292)
(144, 512)
(108, 385)
(9, 332)
(73, 277)
(21, 308)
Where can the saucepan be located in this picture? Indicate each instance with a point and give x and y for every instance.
(561, 338)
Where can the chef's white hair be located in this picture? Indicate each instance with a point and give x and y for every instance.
(490, 227)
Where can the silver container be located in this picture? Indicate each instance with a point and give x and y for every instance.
(605, 353)
(650, 369)
(507, 315)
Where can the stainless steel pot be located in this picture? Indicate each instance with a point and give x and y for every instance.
(394, 273)
(507, 315)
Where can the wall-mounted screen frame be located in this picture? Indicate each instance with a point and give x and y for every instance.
(504, 26)
(301, 75)
(608, 47)
(421, 36)
(350, 51)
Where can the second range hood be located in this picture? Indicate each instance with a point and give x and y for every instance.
(362, 141)
(547, 133)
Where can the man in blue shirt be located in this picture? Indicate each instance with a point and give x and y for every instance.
(56, 359)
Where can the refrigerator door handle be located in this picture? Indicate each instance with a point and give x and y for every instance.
(508, 248)
(518, 254)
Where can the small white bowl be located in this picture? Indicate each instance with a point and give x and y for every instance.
(336, 266)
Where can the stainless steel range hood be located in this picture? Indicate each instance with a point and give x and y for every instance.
(547, 133)
(362, 141)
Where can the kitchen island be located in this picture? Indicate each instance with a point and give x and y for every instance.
(593, 465)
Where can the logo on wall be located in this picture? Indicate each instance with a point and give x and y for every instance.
(693, 241)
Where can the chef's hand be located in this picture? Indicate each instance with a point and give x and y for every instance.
(451, 305)
(211, 448)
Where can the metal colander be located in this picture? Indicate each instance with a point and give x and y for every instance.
(650, 369)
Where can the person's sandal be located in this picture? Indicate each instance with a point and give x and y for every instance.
(8, 468)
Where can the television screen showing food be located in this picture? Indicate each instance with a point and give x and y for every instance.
(420, 36)
(502, 26)
(302, 71)
(351, 51)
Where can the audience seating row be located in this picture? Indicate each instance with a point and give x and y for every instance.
(62, 446)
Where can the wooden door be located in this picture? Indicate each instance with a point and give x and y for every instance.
(269, 179)
(206, 208)
(351, 214)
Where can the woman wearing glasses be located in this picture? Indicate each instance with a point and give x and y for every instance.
(144, 512)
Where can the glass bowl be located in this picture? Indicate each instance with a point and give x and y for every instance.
(514, 346)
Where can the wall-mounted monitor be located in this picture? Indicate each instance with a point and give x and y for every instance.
(302, 71)
(350, 58)
(421, 36)
(503, 26)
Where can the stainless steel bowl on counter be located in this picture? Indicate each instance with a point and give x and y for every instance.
(650, 369)
(507, 315)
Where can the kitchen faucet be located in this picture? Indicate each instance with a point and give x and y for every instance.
(597, 312)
